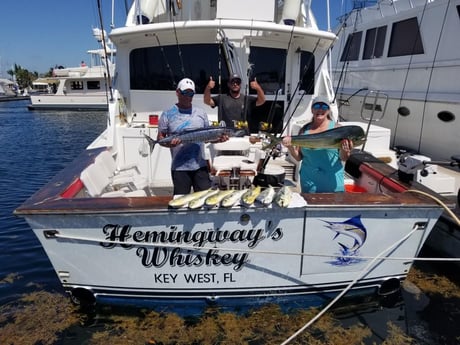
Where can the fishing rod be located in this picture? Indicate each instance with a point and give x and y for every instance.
(438, 44)
(280, 80)
(275, 150)
(248, 75)
(304, 72)
(166, 62)
(104, 45)
(346, 52)
(172, 9)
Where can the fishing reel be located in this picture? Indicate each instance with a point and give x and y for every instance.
(240, 124)
(265, 126)
(218, 124)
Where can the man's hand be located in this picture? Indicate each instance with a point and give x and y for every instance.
(255, 85)
(211, 84)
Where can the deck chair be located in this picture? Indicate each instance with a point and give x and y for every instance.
(119, 175)
(98, 184)
(233, 154)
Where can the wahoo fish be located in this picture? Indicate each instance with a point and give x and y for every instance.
(266, 196)
(215, 199)
(251, 194)
(330, 139)
(185, 199)
(199, 202)
(283, 196)
(231, 199)
(196, 136)
(353, 228)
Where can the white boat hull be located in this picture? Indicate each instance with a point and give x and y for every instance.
(417, 133)
(238, 256)
(71, 102)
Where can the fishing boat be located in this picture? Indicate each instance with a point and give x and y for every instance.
(395, 65)
(84, 87)
(115, 233)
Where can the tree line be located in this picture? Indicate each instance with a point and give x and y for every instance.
(24, 77)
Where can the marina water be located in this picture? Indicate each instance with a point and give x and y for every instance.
(35, 145)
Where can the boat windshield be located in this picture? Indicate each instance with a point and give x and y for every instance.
(155, 68)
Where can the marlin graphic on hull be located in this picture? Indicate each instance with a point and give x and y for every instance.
(353, 228)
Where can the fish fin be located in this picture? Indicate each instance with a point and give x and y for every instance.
(151, 142)
(356, 221)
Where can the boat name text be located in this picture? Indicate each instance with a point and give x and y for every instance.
(158, 256)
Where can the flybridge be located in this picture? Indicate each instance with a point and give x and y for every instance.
(157, 11)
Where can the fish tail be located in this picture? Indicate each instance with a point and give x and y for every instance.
(151, 142)
(273, 141)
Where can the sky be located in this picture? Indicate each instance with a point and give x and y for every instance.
(40, 34)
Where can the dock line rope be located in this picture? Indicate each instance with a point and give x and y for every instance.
(252, 251)
(444, 206)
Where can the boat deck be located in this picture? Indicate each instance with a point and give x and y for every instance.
(65, 193)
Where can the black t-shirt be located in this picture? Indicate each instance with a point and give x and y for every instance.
(234, 109)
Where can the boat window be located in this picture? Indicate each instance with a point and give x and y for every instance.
(351, 51)
(374, 42)
(93, 85)
(155, 68)
(76, 85)
(307, 72)
(268, 66)
(405, 38)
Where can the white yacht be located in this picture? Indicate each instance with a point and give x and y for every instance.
(396, 64)
(84, 87)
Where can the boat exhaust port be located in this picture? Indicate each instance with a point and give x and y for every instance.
(389, 287)
(50, 233)
(389, 293)
(82, 297)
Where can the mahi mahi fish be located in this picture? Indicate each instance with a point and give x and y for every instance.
(283, 196)
(251, 194)
(199, 202)
(231, 199)
(330, 139)
(185, 199)
(196, 136)
(266, 196)
(215, 199)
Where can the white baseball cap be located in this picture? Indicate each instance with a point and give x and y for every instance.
(321, 99)
(186, 84)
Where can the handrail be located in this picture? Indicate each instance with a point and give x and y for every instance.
(376, 94)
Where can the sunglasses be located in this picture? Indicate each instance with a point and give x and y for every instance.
(235, 81)
(322, 106)
(187, 93)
